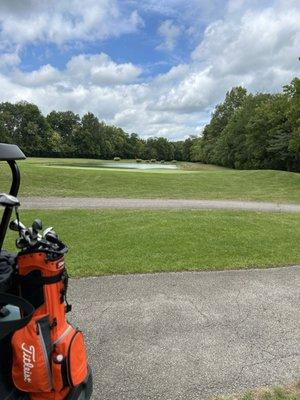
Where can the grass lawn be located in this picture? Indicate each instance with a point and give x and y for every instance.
(281, 393)
(119, 241)
(43, 177)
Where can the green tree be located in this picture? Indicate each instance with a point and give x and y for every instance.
(164, 149)
(23, 123)
(220, 118)
(134, 147)
(187, 148)
(66, 124)
(87, 137)
(178, 150)
(293, 94)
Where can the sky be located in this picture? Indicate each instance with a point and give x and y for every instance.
(153, 67)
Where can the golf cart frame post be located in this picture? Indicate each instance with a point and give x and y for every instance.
(10, 153)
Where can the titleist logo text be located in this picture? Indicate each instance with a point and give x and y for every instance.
(28, 360)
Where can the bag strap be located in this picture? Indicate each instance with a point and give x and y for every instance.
(27, 310)
(41, 280)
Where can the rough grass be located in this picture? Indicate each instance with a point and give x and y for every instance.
(291, 392)
(41, 177)
(122, 242)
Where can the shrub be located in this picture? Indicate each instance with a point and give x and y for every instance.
(162, 161)
(117, 159)
(174, 161)
(153, 160)
(138, 160)
(147, 161)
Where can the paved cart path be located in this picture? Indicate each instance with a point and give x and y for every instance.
(190, 335)
(116, 203)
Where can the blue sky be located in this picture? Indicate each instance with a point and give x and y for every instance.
(141, 46)
(151, 67)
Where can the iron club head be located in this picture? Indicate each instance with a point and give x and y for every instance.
(16, 225)
(37, 225)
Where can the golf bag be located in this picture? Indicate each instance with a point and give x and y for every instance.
(49, 356)
(45, 355)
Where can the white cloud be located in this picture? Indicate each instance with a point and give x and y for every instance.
(170, 33)
(9, 59)
(46, 75)
(63, 21)
(175, 74)
(194, 92)
(257, 48)
(260, 49)
(101, 70)
(86, 70)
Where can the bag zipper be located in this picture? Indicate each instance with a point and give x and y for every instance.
(42, 341)
(63, 335)
(68, 358)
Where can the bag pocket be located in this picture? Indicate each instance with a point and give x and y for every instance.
(69, 361)
(32, 350)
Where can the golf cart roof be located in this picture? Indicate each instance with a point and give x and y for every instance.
(10, 152)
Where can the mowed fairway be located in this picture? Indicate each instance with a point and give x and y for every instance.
(121, 242)
(65, 177)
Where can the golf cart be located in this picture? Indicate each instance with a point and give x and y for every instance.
(16, 311)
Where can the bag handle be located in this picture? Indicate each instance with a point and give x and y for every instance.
(27, 310)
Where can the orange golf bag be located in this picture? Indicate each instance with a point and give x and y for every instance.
(49, 355)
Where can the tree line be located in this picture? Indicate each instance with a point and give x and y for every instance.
(65, 134)
(253, 131)
(246, 131)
